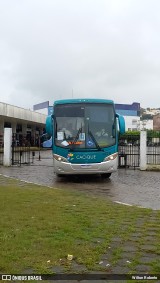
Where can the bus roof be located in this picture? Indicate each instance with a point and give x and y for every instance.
(83, 100)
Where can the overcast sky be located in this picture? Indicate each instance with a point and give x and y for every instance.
(55, 49)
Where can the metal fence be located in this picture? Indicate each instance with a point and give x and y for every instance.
(21, 152)
(129, 151)
(153, 155)
(1, 155)
(153, 148)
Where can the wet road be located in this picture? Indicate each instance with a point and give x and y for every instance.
(134, 187)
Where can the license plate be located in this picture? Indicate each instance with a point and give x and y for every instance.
(85, 165)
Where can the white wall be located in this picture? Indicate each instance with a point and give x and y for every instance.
(42, 111)
(11, 111)
(7, 147)
(146, 124)
(132, 122)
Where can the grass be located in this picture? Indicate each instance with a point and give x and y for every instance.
(40, 226)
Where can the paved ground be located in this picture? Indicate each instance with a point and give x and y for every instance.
(127, 186)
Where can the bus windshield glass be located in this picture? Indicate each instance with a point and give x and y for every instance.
(84, 125)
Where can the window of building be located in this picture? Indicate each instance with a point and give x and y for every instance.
(134, 122)
(19, 128)
(7, 125)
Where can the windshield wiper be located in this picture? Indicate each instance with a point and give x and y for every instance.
(95, 141)
(76, 138)
(77, 135)
(90, 134)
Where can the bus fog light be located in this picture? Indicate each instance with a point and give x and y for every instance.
(111, 157)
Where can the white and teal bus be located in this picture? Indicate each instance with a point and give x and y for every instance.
(85, 136)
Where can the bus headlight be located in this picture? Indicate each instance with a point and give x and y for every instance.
(60, 158)
(111, 157)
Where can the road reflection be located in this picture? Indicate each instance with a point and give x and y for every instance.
(93, 184)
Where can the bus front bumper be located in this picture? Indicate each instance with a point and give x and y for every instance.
(85, 168)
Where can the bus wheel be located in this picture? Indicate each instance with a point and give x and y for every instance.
(106, 175)
(60, 175)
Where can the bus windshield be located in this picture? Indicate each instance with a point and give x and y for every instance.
(84, 125)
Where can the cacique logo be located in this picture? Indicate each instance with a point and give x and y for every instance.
(86, 156)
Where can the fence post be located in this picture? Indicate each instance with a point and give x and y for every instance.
(7, 146)
(143, 150)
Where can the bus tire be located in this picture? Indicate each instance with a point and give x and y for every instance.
(60, 175)
(106, 175)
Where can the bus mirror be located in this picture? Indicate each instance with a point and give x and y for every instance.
(121, 123)
(49, 125)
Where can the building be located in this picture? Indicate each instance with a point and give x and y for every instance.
(156, 122)
(131, 114)
(22, 121)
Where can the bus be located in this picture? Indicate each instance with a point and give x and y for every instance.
(85, 136)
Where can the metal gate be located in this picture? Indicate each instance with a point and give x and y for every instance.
(129, 151)
(1, 155)
(1, 149)
(21, 152)
(153, 147)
